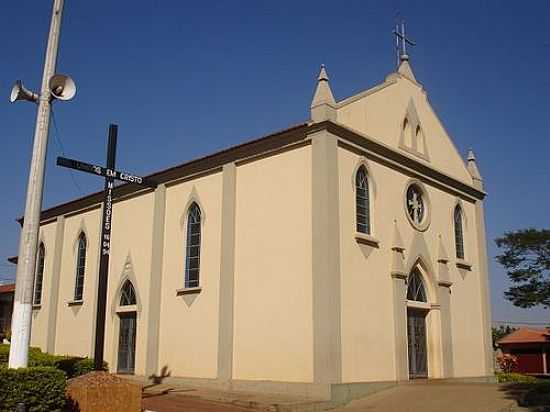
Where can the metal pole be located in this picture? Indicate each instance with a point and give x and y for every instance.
(22, 306)
(105, 249)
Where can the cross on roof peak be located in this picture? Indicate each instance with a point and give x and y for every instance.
(401, 42)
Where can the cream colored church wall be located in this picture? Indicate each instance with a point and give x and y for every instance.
(273, 333)
(189, 323)
(40, 313)
(466, 309)
(75, 323)
(130, 259)
(380, 115)
(367, 309)
(367, 312)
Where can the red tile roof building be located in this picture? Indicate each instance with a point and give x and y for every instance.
(6, 307)
(531, 347)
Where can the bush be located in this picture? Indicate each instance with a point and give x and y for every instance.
(513, 377)
(73, 366)
(40, 388)
(36, 356)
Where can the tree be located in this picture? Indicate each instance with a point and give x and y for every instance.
(500, 332)
(526, 258)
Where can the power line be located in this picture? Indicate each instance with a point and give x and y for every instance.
(62, 150)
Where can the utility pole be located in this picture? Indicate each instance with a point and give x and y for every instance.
(22, 306)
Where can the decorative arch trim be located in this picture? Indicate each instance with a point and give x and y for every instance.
(127, 274)
(192, 198)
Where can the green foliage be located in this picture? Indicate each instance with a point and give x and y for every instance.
(526, 258)
(40, 388)
(513, 377)
(500, 332)
(71, 365)
(74, 366)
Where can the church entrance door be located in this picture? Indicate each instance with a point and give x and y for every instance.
(127, 343)
(416, 336)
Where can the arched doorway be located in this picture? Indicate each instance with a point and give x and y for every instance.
(417, 310)
(127, 329)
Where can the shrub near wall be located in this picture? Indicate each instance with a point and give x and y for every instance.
(40, 388)
(71, 365)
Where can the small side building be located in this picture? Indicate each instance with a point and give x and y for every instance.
(531, 347)
(6, 308)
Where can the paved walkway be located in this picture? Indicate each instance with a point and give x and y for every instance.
(175, 403)
(437, 397)
(414, 397)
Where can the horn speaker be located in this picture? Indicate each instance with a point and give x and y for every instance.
(62, 87)
(20, 92)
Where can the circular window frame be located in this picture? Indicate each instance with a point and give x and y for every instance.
(422, 226)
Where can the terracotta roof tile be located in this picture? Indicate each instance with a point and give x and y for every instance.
(10, 287)
(526, 335)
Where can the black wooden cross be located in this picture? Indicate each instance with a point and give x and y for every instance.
(110, 175)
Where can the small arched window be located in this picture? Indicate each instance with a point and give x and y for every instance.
(362, 209)
(193, 247)
(459, 232)
(407, 133)
(415, 289)
(127, 294)
(80, 267)
(39, 274)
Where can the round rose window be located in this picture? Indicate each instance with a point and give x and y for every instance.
(415, 204)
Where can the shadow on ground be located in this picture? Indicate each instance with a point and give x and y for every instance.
(530, 397)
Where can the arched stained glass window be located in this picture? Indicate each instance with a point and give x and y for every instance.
(193, 247)
(80, 267)
(415, 289)
(127, 294)
(459, 232)
(39, 274)
(362, 207)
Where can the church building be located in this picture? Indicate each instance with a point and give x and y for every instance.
(339, 255)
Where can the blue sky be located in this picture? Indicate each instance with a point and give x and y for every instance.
(183, 79)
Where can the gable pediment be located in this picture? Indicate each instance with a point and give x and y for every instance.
(412, 138)
(397, 113)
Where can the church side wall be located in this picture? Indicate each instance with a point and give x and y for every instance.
(75, 323)
(188, 343)
(368, 343)
(130, 259)
(40, 313)
(273, 332)
(466, 305)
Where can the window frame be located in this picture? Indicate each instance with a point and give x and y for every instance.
(39, 275)
(458, 224)
(416, 278)
(362, 201)
(128, 296)
(80, 270)
(193, 246)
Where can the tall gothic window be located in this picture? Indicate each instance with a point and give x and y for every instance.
(459, 232)
(193, 247)
(362, 212)
(127, 294)
(39, 275)
(80, 267)
(415, 289)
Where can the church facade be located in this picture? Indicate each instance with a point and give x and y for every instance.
(346, 251)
